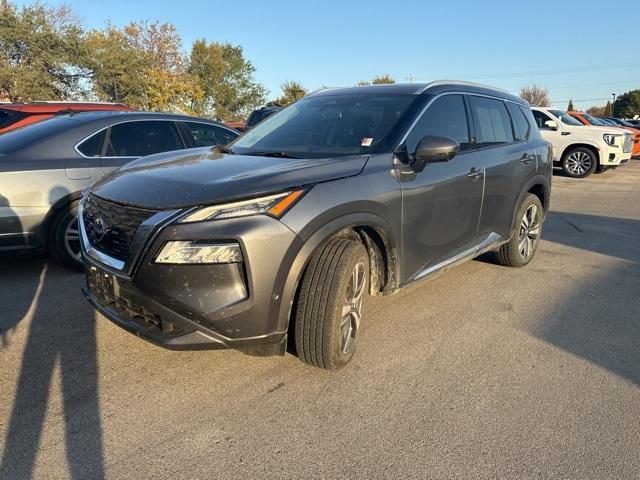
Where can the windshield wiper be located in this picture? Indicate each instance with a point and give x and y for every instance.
(272, 154)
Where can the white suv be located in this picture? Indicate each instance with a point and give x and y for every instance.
(581, 149)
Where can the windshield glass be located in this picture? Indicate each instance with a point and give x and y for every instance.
(566, 118)
(326, 126)
(593, 120)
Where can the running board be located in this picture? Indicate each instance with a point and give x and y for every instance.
(490, 242)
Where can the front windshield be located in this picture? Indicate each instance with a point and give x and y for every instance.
(566, 118)
(594, 120)
(326, 126)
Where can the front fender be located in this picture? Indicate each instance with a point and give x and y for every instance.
(290, 274)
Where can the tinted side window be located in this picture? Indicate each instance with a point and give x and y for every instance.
(540, 118)
(493, 126)
(445, 117)
(205, 135)
(91, 146)
(521, 125)
(137, 139)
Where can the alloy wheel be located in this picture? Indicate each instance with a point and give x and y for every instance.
(578, 163)
(72, 239)
(529, 232)
(352, 308)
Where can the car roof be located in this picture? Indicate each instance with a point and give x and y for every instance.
(56, 106)
(435, 87)
(125, 115)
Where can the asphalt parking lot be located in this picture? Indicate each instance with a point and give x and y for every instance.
(483, 372)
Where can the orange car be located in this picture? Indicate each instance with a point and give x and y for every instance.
(587, 119)
(16, 115)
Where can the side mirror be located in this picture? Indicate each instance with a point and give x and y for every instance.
(551, 125)
(433, 149)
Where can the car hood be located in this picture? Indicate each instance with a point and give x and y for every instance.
(204, 175)
(610, 130)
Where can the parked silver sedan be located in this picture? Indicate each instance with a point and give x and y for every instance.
(44, 168)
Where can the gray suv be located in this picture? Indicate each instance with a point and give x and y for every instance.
(273, 241)
(45, 166)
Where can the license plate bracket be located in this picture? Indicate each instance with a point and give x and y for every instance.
(102, 284)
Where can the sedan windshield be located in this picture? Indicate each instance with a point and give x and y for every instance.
(566, 118)
(326, 126)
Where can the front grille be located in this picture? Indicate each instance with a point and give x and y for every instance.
(110, 226)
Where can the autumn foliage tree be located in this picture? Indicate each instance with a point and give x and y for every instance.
(226, 80)
(536, 96)
(291, 92)
(42, 53)
(46, 54)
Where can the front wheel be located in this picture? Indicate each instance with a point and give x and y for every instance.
(64, 237)
(328, 312)
(579, 162)
(519, 251)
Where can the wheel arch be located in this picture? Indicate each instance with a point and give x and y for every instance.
(56, 208)
(374, 234)
(590, 146)
(540, 187)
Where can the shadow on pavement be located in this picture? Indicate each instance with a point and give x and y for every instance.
(598, 318)
(61, 333)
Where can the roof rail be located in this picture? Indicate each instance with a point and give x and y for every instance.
(461, 83)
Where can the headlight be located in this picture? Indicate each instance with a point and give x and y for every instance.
(273, 205)
(610, 139)
(185, 252)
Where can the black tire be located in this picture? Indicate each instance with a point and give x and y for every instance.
(579, 162)
(324, 294)
(58, 245)
(511, 254)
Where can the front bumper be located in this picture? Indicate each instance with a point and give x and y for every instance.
(613, 156)
(188, 307)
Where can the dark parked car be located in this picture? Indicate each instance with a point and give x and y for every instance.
(45, 166)
(283, 232)
(260, 114)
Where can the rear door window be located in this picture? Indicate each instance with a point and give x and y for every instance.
(141, 138)
(521, 127)
(493, 126)
(445, 117)
(205, 135)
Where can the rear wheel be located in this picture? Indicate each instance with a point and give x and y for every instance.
(519, 251)
(579, 162)
(328, 312)
(64, 237)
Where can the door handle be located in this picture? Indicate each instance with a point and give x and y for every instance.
(525, 158)
(565, 133)
(475, 173)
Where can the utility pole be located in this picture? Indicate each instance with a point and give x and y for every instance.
(411, 78)
(613, 106)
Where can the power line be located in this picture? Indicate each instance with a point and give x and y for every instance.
(582, 100)
(557, 71)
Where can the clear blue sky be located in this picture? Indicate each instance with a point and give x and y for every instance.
(583, 49)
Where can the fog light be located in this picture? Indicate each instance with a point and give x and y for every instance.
(194, 252)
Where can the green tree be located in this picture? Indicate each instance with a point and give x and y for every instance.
(42, 52)
(628, 104)
(596, 111)
(536, 96)
(377, 80)
(142, 65)
(382, 79)
(225, 77)
(291, 92)
(570, 107)
(608, 110)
